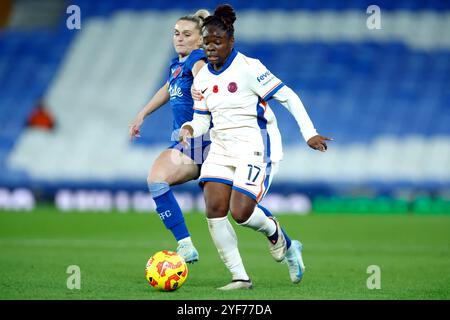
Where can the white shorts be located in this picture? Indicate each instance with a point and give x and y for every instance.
(251, 178)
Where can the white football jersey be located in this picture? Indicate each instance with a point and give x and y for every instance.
(244, 125)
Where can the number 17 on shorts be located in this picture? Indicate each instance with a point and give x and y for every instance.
(254, 179)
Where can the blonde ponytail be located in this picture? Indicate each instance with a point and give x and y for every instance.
(202, 14)
(197, 17)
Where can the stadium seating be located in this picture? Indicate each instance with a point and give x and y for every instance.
(107, 7)
(381, 94)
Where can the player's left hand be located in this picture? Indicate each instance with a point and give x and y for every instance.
(318, 143)
(185, 134)
(196, 94)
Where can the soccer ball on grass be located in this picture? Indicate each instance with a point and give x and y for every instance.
(166, 271)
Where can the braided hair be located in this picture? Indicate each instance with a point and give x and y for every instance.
(223, 17)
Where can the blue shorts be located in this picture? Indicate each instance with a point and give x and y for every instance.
(197, 150)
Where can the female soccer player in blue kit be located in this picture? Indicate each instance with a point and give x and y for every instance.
(176, 164)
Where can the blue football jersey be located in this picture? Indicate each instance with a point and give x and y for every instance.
(180, 80)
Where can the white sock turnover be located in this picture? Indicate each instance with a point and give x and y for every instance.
(186, 240)
(260, 222)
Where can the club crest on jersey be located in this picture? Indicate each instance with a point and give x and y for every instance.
(232, 87)
(176, 72)
(216, 89)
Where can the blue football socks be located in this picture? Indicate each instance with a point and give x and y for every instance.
(168, 209)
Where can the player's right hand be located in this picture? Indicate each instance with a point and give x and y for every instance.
(135, 128)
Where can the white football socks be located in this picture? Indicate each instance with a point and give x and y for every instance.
(186, 240)
(260, 222)
(225, 239)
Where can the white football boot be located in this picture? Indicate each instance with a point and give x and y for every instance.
(188, 252)
(237, 284)
(278, 248)
(294, 261)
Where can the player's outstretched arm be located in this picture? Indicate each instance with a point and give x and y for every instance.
(291, 101)
(160, 98)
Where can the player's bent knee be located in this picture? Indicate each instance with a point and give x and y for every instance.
(158, 176)
(241, 210)
(173, 174)
(152, 180)
(240, 216)
(216, 210)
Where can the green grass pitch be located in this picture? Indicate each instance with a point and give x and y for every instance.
(112, 249)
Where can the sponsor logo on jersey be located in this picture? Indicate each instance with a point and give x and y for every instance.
(264, 76)
(175, 91)
(232, 87)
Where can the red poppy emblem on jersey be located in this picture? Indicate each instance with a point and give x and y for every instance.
(215, 89)
(177, 72)
(232, 87)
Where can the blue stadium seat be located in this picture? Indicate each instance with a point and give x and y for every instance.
(355, 91)
(105, 8)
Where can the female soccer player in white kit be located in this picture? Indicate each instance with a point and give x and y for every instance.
(246, 144)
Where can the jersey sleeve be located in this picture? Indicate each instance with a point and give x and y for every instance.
(195, 56)
(262, 81)
(200, 124)
(291, 101)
